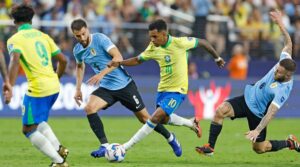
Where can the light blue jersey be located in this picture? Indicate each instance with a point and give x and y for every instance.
(96, 55)
(267, 91)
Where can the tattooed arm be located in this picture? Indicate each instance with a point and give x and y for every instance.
(272, 110)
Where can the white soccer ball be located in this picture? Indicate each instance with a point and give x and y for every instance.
(115, 152)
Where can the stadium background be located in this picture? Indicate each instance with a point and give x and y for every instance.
(226, 24)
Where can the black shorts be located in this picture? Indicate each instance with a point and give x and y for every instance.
(241, 110)
(128, 97)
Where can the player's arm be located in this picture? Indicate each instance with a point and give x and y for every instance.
(80, 67)
(6, 87)
(209, 48)
(13, 68)
(3, 67)
(276, 16)
(116, 57)
(128, 62)
(272, 110)
(62, 63)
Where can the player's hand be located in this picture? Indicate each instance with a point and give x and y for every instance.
(221, 62)
(78, 97)
(113, 64)
(252, 135)
(94, 80)
(7, 92)
(276, 16)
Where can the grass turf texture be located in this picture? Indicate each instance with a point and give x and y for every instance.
(232, 148)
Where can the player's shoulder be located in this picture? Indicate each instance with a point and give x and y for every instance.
(99, 36)
(14, 38)
(77, 48)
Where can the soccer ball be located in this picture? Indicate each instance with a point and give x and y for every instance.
(115, 152)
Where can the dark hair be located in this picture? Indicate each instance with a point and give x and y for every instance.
(22, 13)
(78, 24)
(159, 25)
(288, 64)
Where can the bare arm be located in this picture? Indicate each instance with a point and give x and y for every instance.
(3, 69)
(62, 63)
(272, 110)
(253, 134)
(131, 62)
(13, 68)
(79, 75)
(208, 47)
(276, 16)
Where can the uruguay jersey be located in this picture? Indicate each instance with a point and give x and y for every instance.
(267, 90)
(36, 49)
(173, 62)
(96, 55)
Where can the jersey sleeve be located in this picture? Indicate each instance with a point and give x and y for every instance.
(105, 42)
(285, 55)
(53, 47)
(280, 98)
(13, 47)
(146, 55)
(188, 42)
(76, 55)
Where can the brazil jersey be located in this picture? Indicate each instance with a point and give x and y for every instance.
(36, 50)
(267, 90)
(173, 62)
(96, 55)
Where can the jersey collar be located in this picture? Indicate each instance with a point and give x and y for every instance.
(25, 26)
(168, 42)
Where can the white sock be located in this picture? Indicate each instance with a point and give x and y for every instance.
(46, 130)
(180, 121)
(105, 144)
(145, 130)
(43, 144)
(171, 138)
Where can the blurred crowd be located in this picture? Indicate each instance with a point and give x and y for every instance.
(229, 25)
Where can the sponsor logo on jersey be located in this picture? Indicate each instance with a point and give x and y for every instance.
(273, 85)
(93, 52)
(167, 59)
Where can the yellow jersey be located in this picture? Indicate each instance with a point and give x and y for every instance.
(173, 62)
(36, 49)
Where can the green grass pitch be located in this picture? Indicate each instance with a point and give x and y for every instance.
(232, 148)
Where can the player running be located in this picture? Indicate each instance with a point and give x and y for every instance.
(171, 54)
(114, 84)
(34, 50)
(260, 103)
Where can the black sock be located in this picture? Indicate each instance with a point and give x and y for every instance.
(279, 144)
(162, 130)
(97, 127)
(214, 131)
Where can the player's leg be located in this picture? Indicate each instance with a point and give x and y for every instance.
(233, 108)
(47, 131)
(98, 100)
(35, 111)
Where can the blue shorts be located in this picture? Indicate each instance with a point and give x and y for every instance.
(169, 101)
(36, 109)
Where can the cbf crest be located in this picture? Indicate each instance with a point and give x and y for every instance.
(167, 59)
(93, 52)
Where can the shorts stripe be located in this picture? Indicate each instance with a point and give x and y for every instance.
(30, 116)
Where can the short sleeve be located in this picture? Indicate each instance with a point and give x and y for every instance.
(285, 55)
(146, 55)
(280, 98)
(54, 49)
(188, 42)
(105, 42)
(13, 47)
(77, 55)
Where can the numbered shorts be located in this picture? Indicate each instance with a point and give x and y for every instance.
(241, 110)
(36, 109)
(127, 96)
(169, 101)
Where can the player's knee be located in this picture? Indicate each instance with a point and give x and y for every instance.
(258, 150)
(89, 109)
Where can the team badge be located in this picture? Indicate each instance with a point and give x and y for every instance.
(93, 52)
(273, 85)
(167, 59)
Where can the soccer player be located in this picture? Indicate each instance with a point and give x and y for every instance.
(6, 87)
(97, 50)
(171, 54)
(34, 50)
(260, 103)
